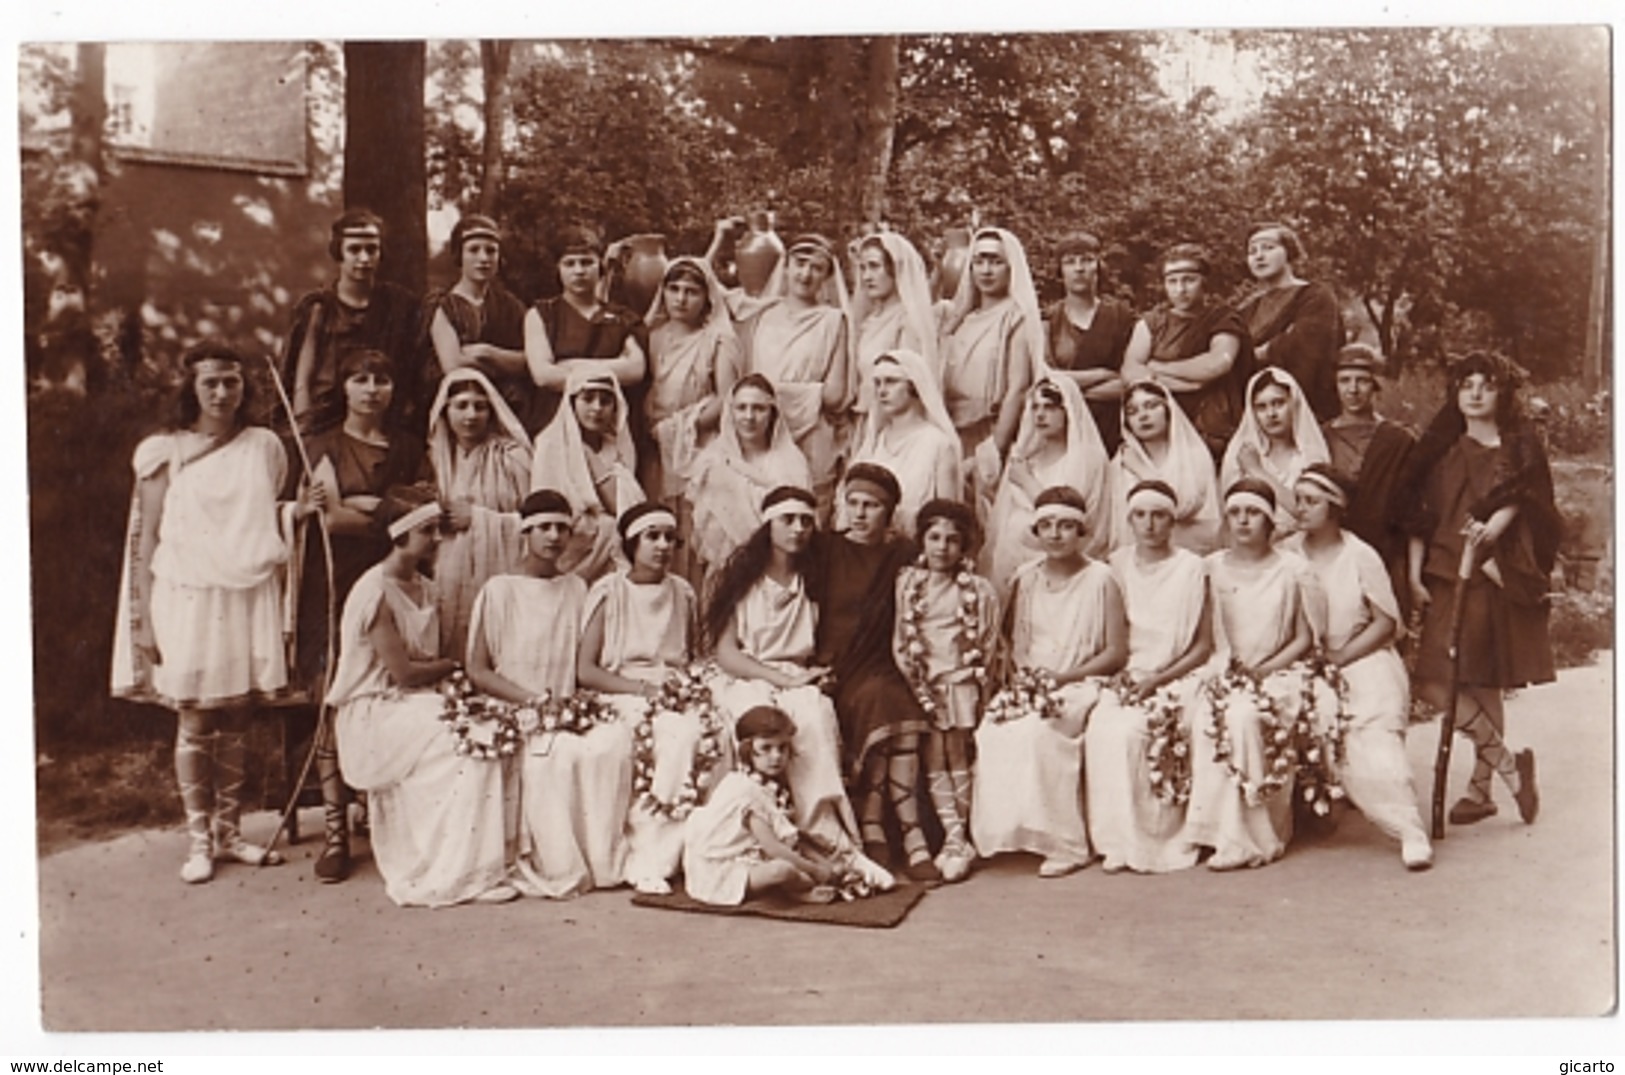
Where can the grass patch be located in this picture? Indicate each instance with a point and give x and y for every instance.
(95, 790)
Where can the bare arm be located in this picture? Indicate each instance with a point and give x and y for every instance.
(150, 492)
(590, 672)
(403, 668)
(834, 396)
(1415, 554)
(741, 665)
(1196, 655)
(1375, 635)
(1294, 647)
(1018, 378)
(1114, 654)
(1197, 371)
(483, 674)
(304, 370)
(1137, 356)
(776, 848)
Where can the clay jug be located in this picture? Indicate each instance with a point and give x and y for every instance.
(638, 266)
(758, 254)
(955, 254)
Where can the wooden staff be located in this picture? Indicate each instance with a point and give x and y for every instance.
(1447, 723)
(323, 714)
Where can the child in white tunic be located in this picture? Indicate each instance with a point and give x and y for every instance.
(437, 816)
(639, 627)
(945, 638)
(1258, 622)
(1165, 589)
(1356, 619)
(1067, 620)
(743, 841)
(571, 789)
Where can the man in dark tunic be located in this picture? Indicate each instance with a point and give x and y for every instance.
(1373, 451)
(358, 311)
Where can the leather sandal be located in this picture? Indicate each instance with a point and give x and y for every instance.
(1471, 811)
(1528, 795)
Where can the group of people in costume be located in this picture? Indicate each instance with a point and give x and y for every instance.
(808, 589)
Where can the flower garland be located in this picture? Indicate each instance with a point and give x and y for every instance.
(782, 800)
(485, 727)
(1168, 746)
(1318, 781)
(966, 639)
(1292, 745)
(577, 714)
(684, 690)
(1030, 691)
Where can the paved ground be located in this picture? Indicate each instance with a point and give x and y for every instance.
(1514, 920)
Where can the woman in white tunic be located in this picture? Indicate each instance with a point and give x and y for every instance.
(639, 629)
(1356, 619)
(586, 453)
(574, 787)
(753, 455)
(1161, 444)
(1278, 437)
(1169, 640)
(798, 340)
(437, 815)
(1067, 620)
(908, 432)
(481, 460)
(992, 348)
(1258, 622)
(694, 358)
(200, 610)
(1057, 444)
(764, 627)
(891, 311)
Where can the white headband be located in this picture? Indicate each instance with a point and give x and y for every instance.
(1060, 511)
(789, 506)
(653, 519)
(1247, 498)
(1150, 499)
(1325, 486)
(415, 518)
(530, 522)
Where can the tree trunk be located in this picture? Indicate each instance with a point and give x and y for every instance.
(1599, 311)
(494, 56)
(879, 126)
(384, 160)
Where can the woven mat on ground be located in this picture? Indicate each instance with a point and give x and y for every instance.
(880, 911)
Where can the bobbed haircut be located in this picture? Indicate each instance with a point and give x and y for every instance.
(350, 220)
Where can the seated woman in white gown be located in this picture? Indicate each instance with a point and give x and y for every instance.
(639, 630)
(575, 785)
(437, 816)
(1356, 619)
(763, 625)
(1241, 803)
(1169, 640)
(1066, 621)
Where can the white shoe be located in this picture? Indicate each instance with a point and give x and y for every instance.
(653, 886)
(1417, 854)
(953, 867)
(199, 866)
(1058, 867)
(501, 892)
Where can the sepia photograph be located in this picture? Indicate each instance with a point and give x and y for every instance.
(1051, 526)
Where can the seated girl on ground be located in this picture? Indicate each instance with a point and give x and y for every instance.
(742, 841)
